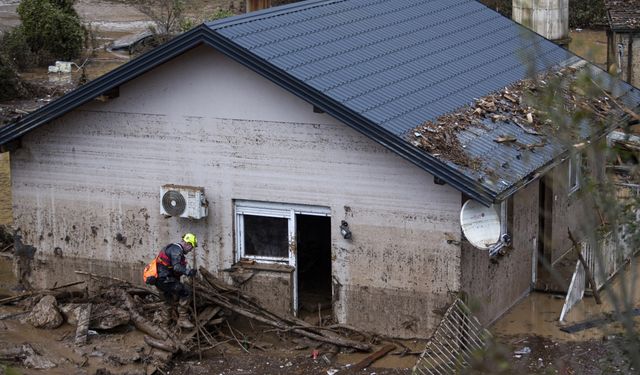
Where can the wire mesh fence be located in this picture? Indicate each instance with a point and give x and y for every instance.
(458, 335)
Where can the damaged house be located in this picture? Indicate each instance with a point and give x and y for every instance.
(295, 142)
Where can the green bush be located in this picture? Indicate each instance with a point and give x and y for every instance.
(52, 29)
(8, 82)
(587, 13)
(15, 50)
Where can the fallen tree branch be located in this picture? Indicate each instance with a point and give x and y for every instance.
(280, 325)
(96, 276)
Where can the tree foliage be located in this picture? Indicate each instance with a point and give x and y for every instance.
(51, 28)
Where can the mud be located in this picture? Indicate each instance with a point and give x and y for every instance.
(539, 312)
(5, 190)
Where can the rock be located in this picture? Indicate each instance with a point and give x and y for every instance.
(103, 316)
(45, 314)
(28, 355)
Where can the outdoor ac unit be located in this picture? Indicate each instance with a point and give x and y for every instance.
(183, 201)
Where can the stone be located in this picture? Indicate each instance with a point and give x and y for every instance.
(45, 314)
(103, 316)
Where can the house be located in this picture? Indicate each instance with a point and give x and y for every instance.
(623, 38)
(298, 124)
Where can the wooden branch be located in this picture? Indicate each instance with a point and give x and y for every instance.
(366, 362)
(626, 110)
(235, 338)
(95, 276)
(160, 344)
(587, 271)
(281, 325)
(142, 324)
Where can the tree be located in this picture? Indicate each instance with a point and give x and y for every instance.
(52, 29)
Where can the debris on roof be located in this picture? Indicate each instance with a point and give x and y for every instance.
(579, 96)
(624, 14)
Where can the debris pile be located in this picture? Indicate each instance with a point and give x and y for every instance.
(512, 105)
(116, 308)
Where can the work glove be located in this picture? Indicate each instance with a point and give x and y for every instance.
(191, 272)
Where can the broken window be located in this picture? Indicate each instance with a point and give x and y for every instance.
(575, 172)
(265, 231)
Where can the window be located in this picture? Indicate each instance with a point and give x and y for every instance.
(265, 231)
(575, 171)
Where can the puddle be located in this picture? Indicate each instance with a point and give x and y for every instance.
(538, 313)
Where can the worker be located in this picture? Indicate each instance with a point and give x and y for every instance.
(172, 264)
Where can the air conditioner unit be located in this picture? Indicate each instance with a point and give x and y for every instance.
(183, 201)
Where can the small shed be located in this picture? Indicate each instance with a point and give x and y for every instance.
(623, 39)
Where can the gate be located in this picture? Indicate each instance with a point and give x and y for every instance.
(458, 335)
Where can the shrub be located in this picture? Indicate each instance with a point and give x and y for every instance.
(10, 87)
(52, 29)
(15, 50)
(587, 13)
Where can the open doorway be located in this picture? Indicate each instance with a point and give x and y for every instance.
(313, 264)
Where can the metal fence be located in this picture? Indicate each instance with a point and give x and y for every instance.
(604, 258)
(454, 341)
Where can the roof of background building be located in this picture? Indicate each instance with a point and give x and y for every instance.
(624, 15)
(382, 67)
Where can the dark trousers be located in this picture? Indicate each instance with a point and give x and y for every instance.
(172, 290)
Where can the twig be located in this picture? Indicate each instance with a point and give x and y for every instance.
(195, 309)
(93, 275)
(68, 285)
(234, 336)
(615, 101)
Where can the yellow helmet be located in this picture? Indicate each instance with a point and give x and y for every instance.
(191, 239)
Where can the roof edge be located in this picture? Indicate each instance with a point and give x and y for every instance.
(99, 86)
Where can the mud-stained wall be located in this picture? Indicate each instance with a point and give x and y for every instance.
(492, 287)
(279, 285)
(89, 185)
(569, 211)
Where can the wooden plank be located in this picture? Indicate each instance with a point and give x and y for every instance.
(594, 322)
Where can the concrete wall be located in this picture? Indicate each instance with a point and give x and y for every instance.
(493, 286)
(89, 184)
(549, 18)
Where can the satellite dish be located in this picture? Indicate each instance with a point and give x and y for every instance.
(480, 224)
(173, 203)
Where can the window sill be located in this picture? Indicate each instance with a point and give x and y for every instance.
(273, 267)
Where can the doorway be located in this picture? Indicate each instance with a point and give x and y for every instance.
(313, 234)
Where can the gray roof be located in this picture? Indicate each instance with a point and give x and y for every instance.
(397, 63)
(380, 66)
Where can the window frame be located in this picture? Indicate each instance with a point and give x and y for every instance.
(575, 162)
(275, 210)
